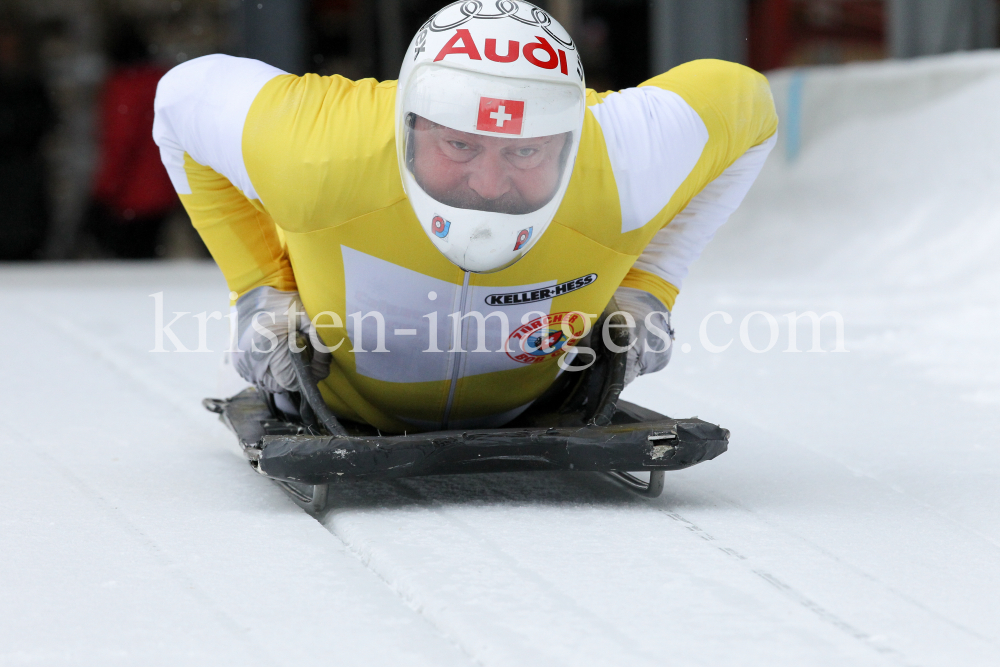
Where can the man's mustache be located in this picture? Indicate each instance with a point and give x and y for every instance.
(510, 202)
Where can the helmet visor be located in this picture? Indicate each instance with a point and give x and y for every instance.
(486, 172)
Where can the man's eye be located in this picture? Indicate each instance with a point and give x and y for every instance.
(460, 145)
(525, 152)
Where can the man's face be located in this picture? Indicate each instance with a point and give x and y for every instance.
(472, 171)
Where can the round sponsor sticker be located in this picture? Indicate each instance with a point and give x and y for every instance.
(545, 337)
(440, 226)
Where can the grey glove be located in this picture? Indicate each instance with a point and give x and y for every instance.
(263, 352)
(651, 339)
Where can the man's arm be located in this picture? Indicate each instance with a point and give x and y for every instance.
(666, 260)
(674, 248)
(201, 109)
(685, 147)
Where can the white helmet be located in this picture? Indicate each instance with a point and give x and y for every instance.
(489, 109)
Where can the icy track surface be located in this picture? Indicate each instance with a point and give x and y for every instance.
(852, 522)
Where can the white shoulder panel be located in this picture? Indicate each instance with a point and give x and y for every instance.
(201, 108)
(674, 248)
(654, 140)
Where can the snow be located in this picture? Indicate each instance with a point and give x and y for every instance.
(853, 520)
(132, 533)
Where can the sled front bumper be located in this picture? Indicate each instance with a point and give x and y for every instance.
(637, 439)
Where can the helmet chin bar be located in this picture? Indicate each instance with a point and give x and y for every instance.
(476, 241)
(464, 265)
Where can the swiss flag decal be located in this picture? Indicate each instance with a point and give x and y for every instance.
(503, 116)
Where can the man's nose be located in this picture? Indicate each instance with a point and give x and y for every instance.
(489, 177)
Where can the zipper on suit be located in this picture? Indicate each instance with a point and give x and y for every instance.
(459, 356)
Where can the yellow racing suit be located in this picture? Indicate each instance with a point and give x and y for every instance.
(293, 183)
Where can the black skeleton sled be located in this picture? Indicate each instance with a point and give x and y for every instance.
(579, 424)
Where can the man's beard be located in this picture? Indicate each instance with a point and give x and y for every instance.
(510, 202)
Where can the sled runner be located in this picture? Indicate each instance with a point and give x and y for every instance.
(578, 424)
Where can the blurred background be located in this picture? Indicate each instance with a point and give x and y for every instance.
(80, 177)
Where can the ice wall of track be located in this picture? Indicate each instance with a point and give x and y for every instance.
(884, 174)
(886, 181)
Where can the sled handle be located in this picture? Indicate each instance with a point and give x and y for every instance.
(309, 389)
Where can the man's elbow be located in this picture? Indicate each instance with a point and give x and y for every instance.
(178, 91)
